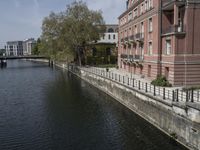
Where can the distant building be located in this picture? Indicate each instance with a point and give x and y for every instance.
(104, 51)
(14, 48)
(28, 46)
(111, 35)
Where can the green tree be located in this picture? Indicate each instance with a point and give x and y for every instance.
(70, 31)
(36, 50)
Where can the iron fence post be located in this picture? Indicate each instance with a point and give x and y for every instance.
(146, 88)
(139, 85)
(164, 93)
(173, 96)
(187, 98)
(192, 95)
(177, 98)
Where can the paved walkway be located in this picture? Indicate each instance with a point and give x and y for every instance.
(132, 76)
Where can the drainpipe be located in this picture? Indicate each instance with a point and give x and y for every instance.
(160, 43)
(185, 62)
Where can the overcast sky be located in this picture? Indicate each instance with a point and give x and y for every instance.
(21, 19)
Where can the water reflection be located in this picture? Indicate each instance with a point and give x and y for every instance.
(41, 108)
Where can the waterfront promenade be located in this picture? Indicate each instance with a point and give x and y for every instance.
(174, 111)
(169, 94)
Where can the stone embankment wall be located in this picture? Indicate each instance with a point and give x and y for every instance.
(179, 120)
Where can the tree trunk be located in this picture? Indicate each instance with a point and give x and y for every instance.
(79, 56)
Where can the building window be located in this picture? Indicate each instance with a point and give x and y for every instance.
(130, 16)
(135, 13)
(103, 36)
(145, 6)
(109, 36)
(136, 31)
(141, 8)
(150, 3)
(142, 29)
(150, 48)
(114, 36)
(150, 25)
(168, 47)
(110, 30)
(130, 32)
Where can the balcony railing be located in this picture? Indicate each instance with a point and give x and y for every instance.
(126, 39)
(124, 56)
(173, 29)
(139, 36)
(132, 58)
(131, 38)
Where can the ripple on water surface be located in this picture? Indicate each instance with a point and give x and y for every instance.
(43, 108)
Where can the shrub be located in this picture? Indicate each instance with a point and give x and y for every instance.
(161, 81)
(113, 59)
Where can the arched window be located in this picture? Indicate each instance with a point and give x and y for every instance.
(110, 30)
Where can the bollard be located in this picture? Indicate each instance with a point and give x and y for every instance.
(177, 98)
(133, 83)
(173, 96)
(187, 98)
(154, 90)
(128, 81)
(146, 88)
(139, 85)
(192, 95)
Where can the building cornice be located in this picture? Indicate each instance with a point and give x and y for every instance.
(141, 17)
(131, 8)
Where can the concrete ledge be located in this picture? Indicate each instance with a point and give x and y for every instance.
(172, 118)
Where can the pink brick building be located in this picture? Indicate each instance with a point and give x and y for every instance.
(161, 37)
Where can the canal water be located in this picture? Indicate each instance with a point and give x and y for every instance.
(48, 109)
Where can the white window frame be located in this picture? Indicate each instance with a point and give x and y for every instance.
(130, 16)
(150, 24)
(150, 49)
(142, 8)
(168, 50)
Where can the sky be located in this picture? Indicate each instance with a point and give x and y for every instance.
(22, 19)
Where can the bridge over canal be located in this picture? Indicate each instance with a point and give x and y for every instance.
(3, 59)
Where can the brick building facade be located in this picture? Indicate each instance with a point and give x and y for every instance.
(161, 37)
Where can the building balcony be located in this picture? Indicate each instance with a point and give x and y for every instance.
(124, 56)
(139, 37)
(173, 30)
(132, 38)
(132, 58)
(169, 4)
(126, 40)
